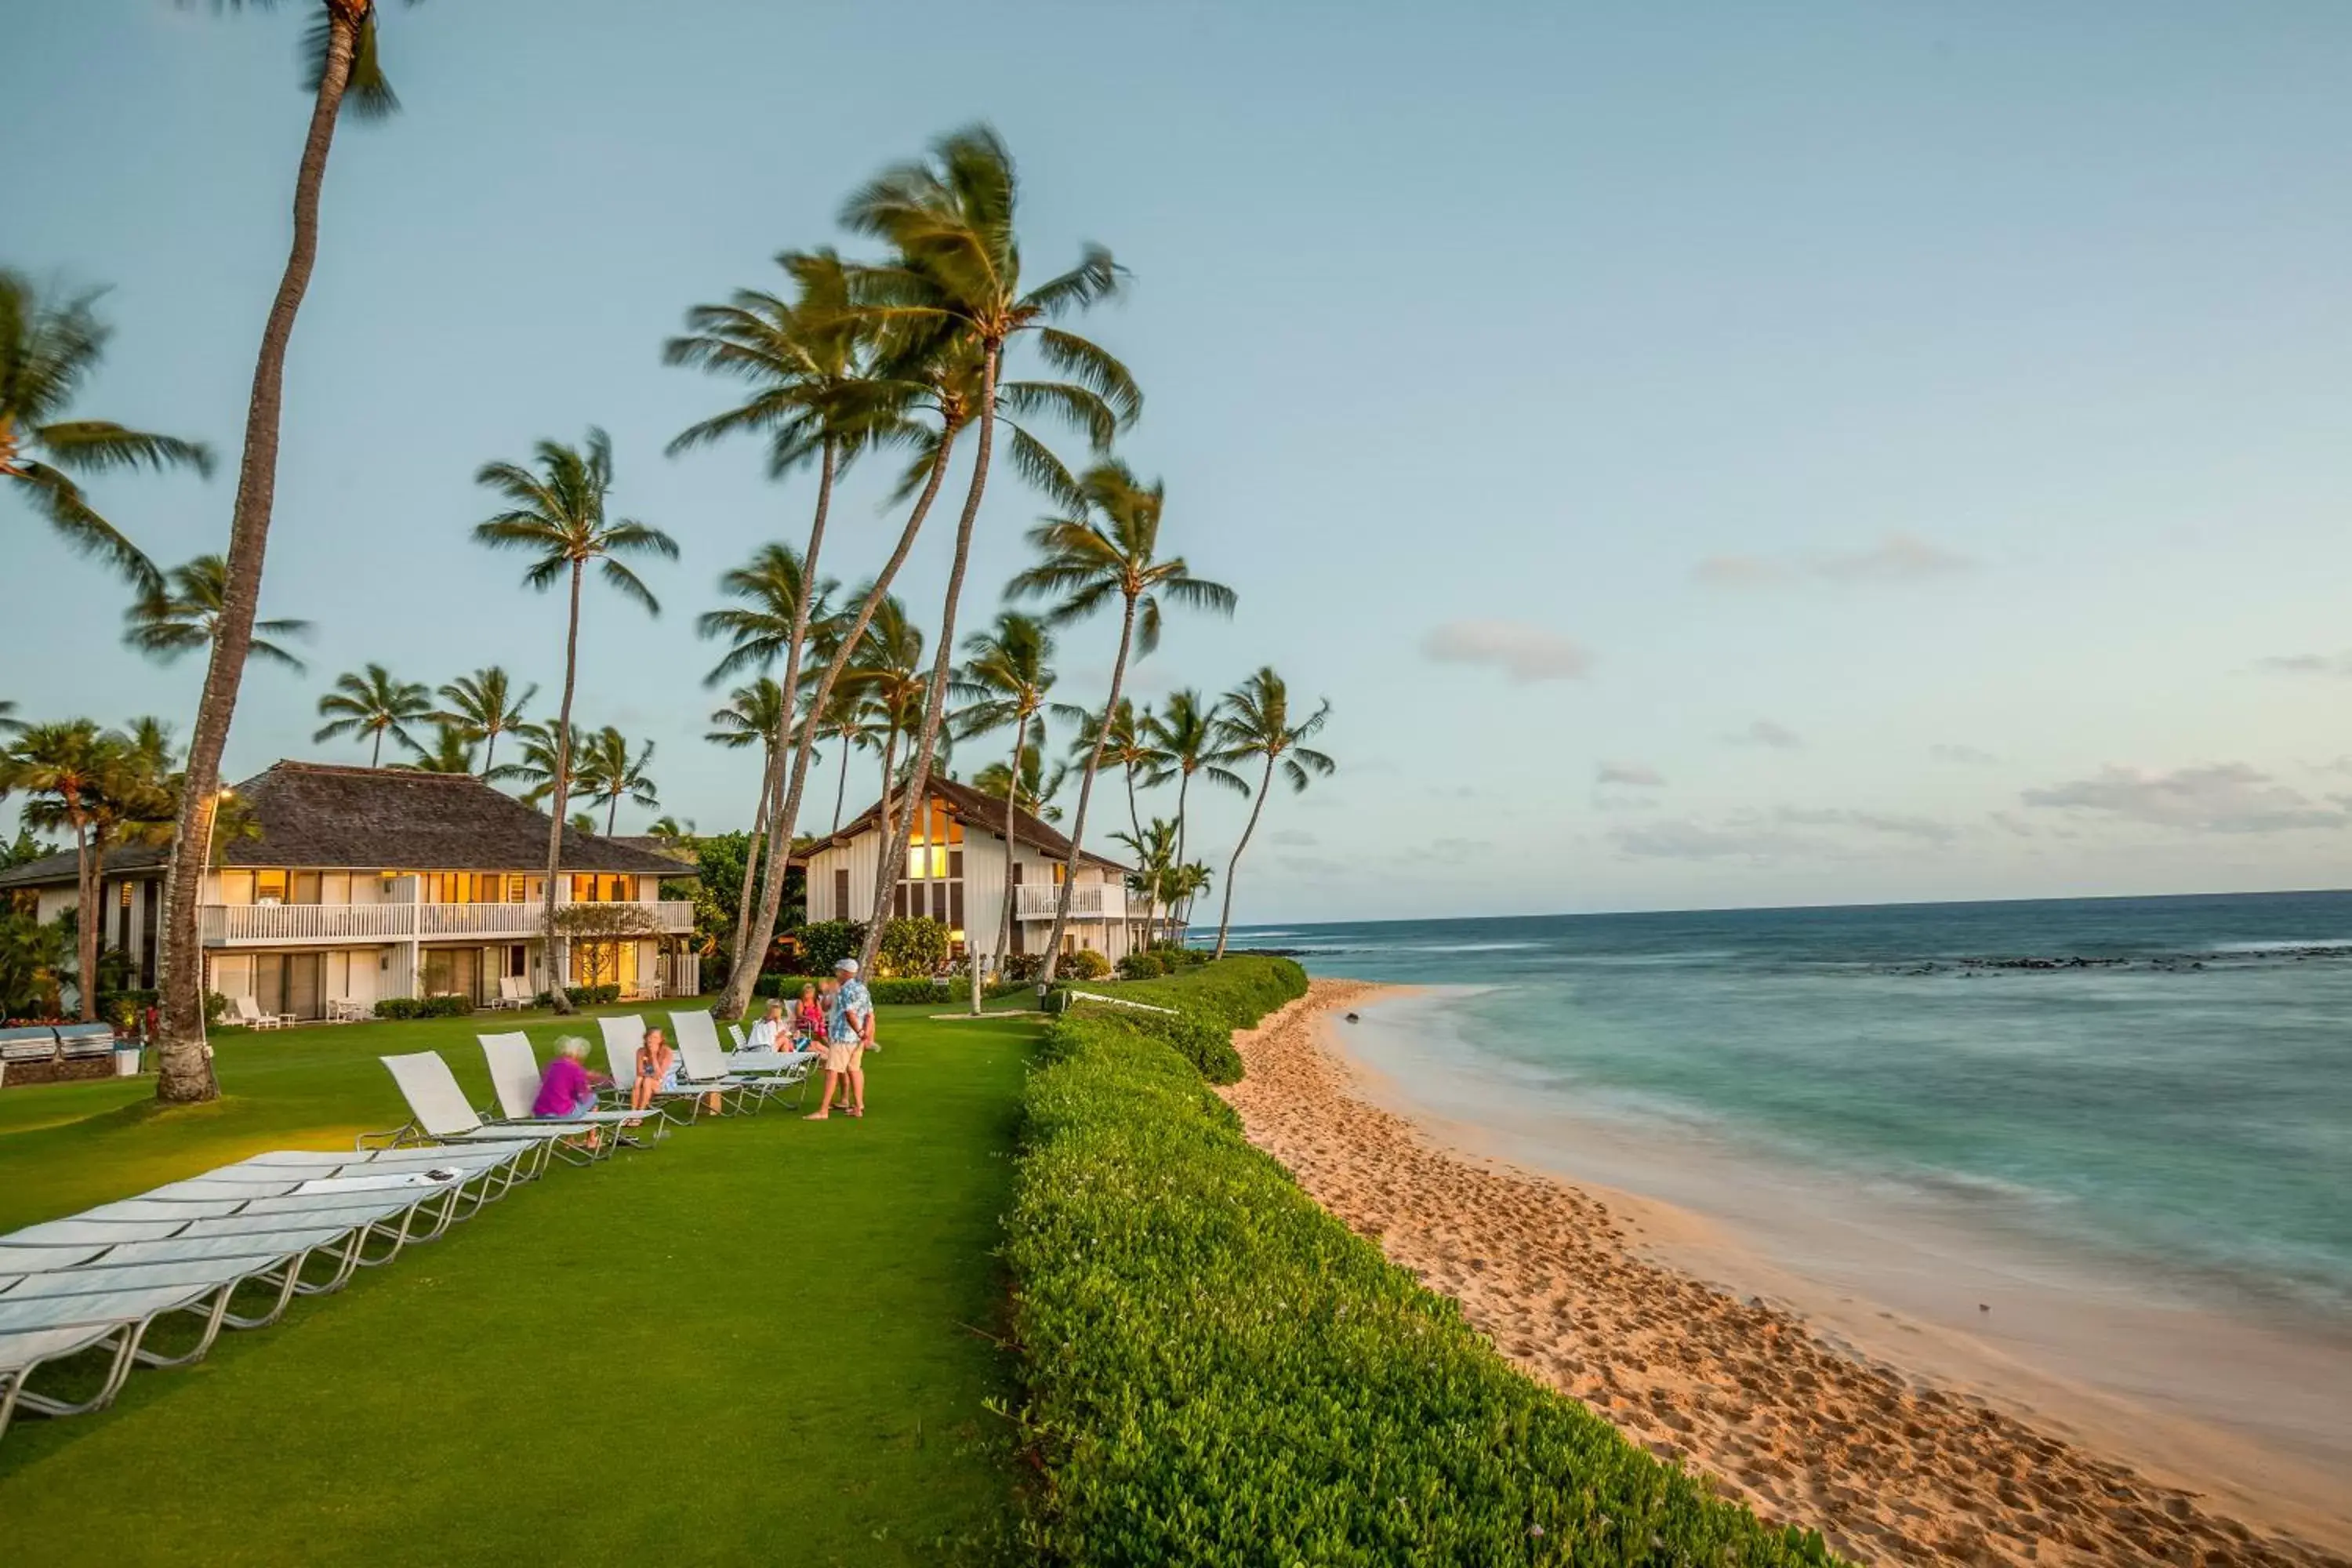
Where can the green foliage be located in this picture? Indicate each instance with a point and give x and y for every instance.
(1085, 963)
(33, 957)
(1022, 968)
(912, 947)
(1218, 1371)
(591, 995)
(828, 942)
(215, 1007)
(886, 992)
(125, 1007)
(24, 848)
(445, 1007)
(1145, 967)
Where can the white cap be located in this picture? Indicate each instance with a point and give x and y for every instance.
(848, 964)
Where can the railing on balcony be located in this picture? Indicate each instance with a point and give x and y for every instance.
(240, 925)
(1087, 903)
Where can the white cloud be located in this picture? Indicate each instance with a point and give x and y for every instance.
(2217, 797)
(1687, 839)
(1966, 756)
(1925, 830)
(1898, 558)
(1289, 837)
(2337, 664)
(1808, 833)
(1766, 734)
(1523, 652)
(1632, 775)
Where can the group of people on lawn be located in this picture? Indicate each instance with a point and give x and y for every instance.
(834, 1016)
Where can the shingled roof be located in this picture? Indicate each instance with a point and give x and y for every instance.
(317, 815)
(981, 810)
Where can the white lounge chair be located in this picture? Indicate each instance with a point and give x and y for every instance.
(512, 993)
(514, 1075)
(245, 1010)
(624, 1037)
(25, 1352)
(439, 1113)
(703, 1063)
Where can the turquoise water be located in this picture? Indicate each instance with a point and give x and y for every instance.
(2178, 1092)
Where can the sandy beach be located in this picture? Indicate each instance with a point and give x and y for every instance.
(1891, 1457)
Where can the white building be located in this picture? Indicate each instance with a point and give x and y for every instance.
(956, 870)
(366, 883)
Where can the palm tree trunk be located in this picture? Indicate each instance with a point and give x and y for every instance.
(1225, 915)
(557, 977)
(185, 1060)
(1134, 822)
(489, 752)
(612, 814)
(772, 779)
(1011, 805)
(1085, 791)
(841, 786)
(87, 867)
(751, 864)
(1183, 788)
(935, 701)
(375, 758)
(779, 830)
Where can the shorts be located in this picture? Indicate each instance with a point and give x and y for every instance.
(841, 1056)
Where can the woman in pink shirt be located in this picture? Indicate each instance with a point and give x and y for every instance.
(567, 1088)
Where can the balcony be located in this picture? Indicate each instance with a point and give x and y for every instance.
(290, 925)
(1094, 901)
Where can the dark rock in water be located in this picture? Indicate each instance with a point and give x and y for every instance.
(1352, 1018)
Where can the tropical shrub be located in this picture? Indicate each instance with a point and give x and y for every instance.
(911, 947)
(1085, 963)
(1217, 1371)
(215, 1007)
(828, 942)
(1143, 966)
(447, 1005)
(591, 995)
(1022, 968)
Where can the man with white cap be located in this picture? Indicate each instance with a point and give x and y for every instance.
(849, 1030)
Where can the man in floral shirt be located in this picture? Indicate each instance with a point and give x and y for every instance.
(849, 1030)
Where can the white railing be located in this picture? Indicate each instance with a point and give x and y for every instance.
(1086, 903)
(240, 925)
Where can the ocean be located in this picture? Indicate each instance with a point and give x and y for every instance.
(2160, 1088)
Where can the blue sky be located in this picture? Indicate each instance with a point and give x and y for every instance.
(1707, 454)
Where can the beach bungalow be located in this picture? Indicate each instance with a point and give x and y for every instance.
(360, 884)
(956, 870)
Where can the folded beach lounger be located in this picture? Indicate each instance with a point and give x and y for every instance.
(622, 1035)
(780, 1070)
(439, 1113)
(23, 1353)
(478, 1177)
(514, 1074)
(498, 1162)
(418, 1210)
(704, 1061)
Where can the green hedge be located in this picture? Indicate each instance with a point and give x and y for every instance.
(447, 1006)
(1217, 1371)
(886, 992)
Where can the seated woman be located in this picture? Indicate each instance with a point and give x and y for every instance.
(657, 1070)
(769, 1032)
(808, 1021)
(567, 1088)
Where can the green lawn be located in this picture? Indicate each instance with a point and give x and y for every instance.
(765, 1337)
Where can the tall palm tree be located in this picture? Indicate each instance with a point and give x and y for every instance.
(9, 723)
(607, 772)
(1006, 676)
(184, 612)
(342, 66)
(671, 833)
(1257, 723)
(536, 771)
(886, 673)
(846, 719)
(450, 752)
(482, 707)
(953, 289)
(48, 348)
(557, 516)
(757, 715)
(1154, 849)
(1124, 744)
(372, 703)
(1110, 553)
(1182, 743)
(63, 766)
(815, 399)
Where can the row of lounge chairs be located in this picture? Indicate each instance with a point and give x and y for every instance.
(302, 1223)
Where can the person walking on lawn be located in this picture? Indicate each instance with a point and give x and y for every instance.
(849, 1031)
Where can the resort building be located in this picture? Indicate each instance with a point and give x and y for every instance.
(955, 872)
(343, 886)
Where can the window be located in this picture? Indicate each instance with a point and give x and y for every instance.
(269, 887)
(840, 893)
(935, 837)
(125, 887)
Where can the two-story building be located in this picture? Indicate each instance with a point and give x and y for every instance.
(956, 870)
(366, 883)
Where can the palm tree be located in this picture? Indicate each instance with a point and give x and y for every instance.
(1257, 723)
(63, 765)
(848, 720)
(558, 516)
(1125, 746)
(9, 723)
(342, 66)
(49, 347)
(1110, 553)
(1154, 849)
(482, 707)
(1032, 788)
(607, 772)
(183, 611)
(536, 769)
(583, 822)
(886, 673)
(452, 751)
(1180, 741)
(815, 399)
(1186, 882)
(1006, 678)
(371, 703)
(952, 291)
(756, 717)
(671, 833)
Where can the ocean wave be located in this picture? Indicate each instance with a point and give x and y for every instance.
(1457, 946)
(2322, 945)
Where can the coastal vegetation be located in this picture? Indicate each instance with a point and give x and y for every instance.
(1216, 1370)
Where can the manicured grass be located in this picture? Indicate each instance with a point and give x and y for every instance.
(766, 1338)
